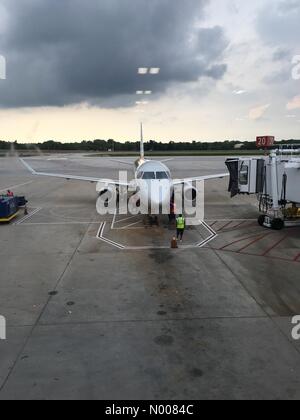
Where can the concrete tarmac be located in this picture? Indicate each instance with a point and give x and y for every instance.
(87, 319)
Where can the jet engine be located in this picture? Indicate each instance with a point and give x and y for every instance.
(189, 193)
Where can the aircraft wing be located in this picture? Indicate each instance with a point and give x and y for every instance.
(199, 178)
(74, 177)
(167, 160)
(123, 162)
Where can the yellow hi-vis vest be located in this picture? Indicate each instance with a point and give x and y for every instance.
(180, 222)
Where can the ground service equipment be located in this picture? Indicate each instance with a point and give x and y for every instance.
(9, 207)
(275, 179)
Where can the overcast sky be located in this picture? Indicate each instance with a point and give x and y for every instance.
(226, 69)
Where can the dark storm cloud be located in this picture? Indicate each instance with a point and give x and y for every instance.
(68, 51)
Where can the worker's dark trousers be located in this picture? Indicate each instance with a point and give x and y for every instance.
(180, 233)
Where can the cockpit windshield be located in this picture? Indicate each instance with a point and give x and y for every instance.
(149, 175)
(162, 175)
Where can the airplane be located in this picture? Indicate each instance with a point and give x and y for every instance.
(146, 172)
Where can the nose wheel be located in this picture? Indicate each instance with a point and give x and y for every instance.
(270, 222)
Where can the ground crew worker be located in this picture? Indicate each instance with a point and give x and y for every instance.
(10, 193)
(180, 225)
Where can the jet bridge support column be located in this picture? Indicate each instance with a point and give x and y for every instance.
(274, 176)
(273, 218)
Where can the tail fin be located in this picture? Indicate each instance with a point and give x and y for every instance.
(142, 151)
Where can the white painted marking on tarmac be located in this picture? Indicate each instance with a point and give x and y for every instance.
(101, 237)
(54, 159)
(14, 187)
(100, 230)
(210, 238)
(126, 219)
(59, 223)
(130, 226)
(106, 240)
(146, 248)
(231, 220)
(28, 216)
(115, 222)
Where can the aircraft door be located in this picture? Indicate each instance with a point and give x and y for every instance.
(248, 176)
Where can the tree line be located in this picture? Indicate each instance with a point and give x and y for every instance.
(132, 146)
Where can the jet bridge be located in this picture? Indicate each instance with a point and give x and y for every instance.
(275, 179)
